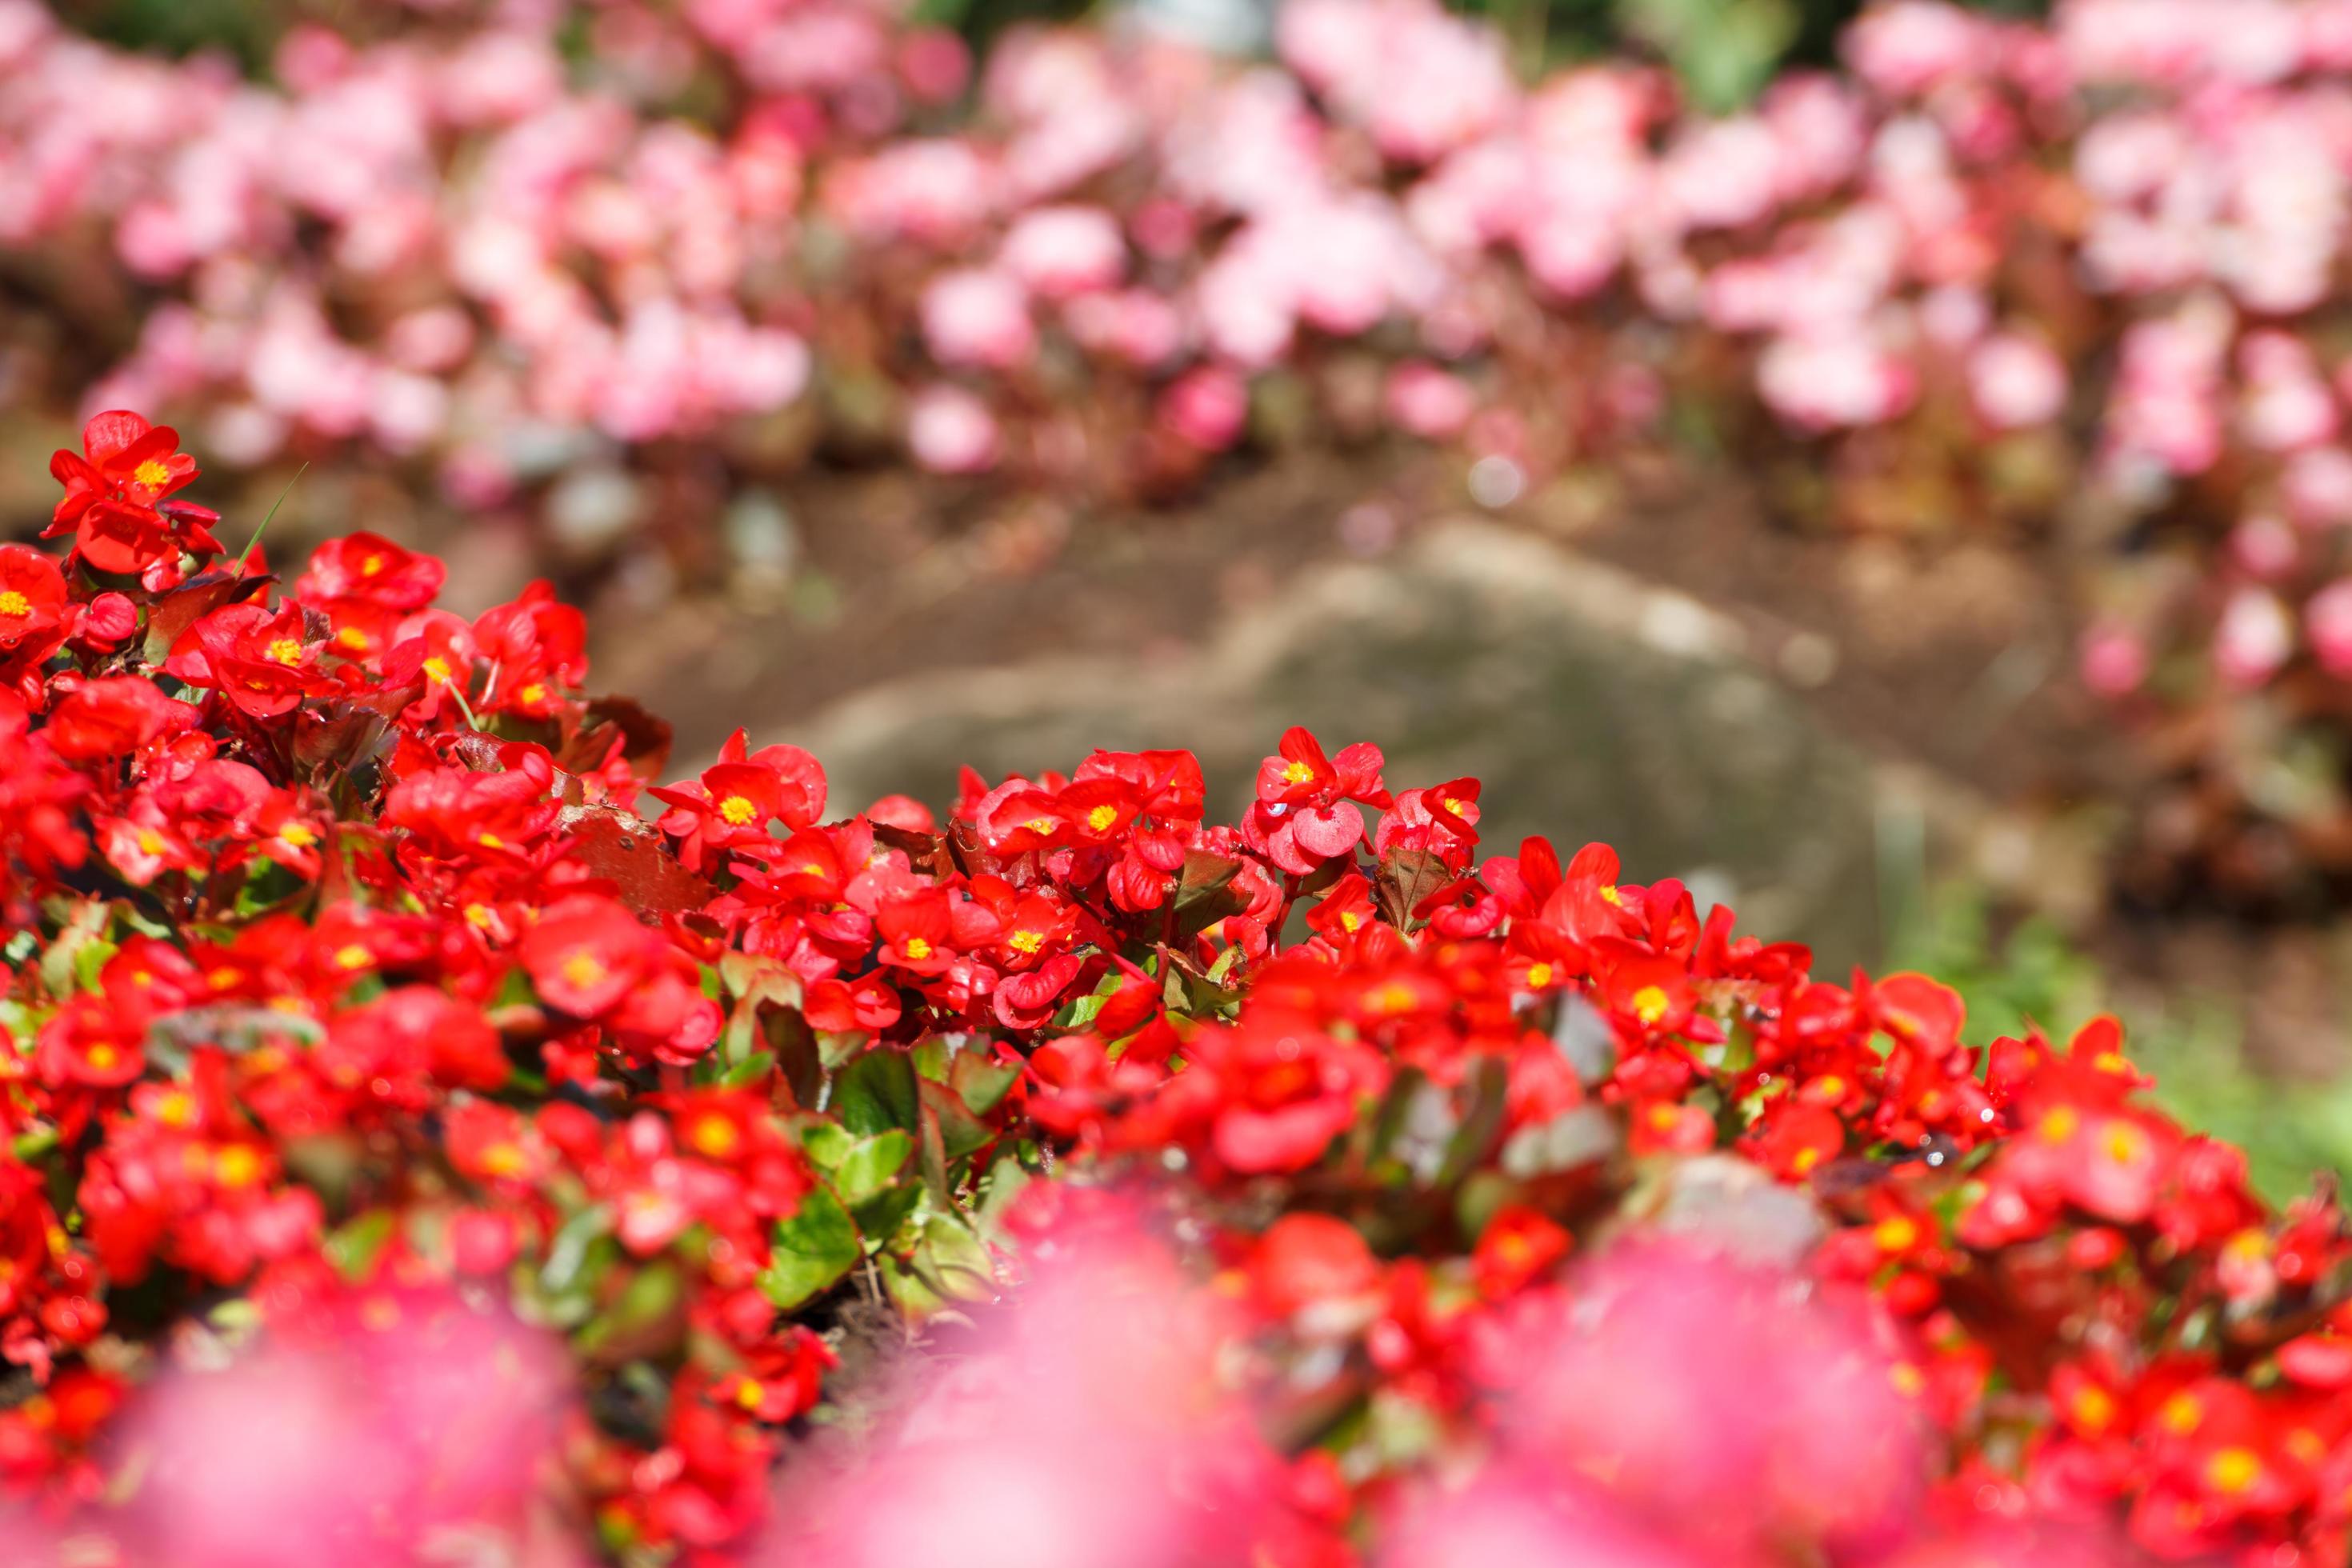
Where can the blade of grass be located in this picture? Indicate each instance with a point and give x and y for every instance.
(245, 554)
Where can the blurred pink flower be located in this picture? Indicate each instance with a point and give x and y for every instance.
(978, 319)
(950, 431)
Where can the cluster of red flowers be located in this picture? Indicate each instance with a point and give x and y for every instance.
(343, 972)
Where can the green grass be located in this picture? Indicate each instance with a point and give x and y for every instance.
(2192, 1045)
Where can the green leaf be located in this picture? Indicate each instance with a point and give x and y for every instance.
(352, 1247)
(813, 1248)
(877, 1093)
(881, 1215)
(650, 1297)
(871, 1163)
(567, 1256)
(750, 1070)
(982, 1084)
(960, 1132)
(1489, 1084)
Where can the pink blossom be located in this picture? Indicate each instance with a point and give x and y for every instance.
(2015, 382)
(950, 431)
(1207, 407)
(2253, 637)
(1059, 253)
(978, 319)
(2113, 659)
(2328, 623)
(1431, 403)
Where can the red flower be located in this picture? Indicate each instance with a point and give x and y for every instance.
(734, 802)
(587, 955)
(368, 568)
(255, 657)
(115, 504)
(32, 595)
(1302, 817)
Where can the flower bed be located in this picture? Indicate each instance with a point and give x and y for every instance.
(424, 1129)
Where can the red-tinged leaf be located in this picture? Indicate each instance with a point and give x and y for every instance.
(1206, 893)
(644, 738)
(339, 741)
(629, 853)
(926, 852)
(192, 601)
(1405, 878)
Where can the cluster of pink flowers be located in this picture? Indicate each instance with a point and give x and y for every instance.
(1993, 273)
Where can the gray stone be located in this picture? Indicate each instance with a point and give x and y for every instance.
(1592, 707)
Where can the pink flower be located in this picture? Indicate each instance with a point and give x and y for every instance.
(978, 319)
(2015, 382)
(2328, 623)
(2253, 638)
(950, 431)
(1431, 403)
(2114, 660)
(1062, 252)
(1207, 407)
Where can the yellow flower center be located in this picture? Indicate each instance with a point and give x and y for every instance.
(352, 637)
(2233, 1470)
(286, 650)
(738, 810)
(14, 605)
(504, 1160)
(1039, 825)
(917, 949)
(176, 1109)
(103, 1057)
(438, 668)
(716, 1136)
(1298, 773)
(1024, 941)
(751, 1396)
(1896, 1233)
(2181, 1415)
(477, 915)
(2060, 1124)
(236, 1166)
(533, 694)
(1650, 1004)
(2094, 1408)
(489, 841)
(1101, 817)
(149, 841)
(1539, 975)
(353, 956)
(295, 834)
(582, 969)
(371, 565)
(152, 474)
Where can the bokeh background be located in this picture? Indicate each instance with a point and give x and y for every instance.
(1882, 464)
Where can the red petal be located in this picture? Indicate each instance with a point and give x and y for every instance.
(110, 435)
